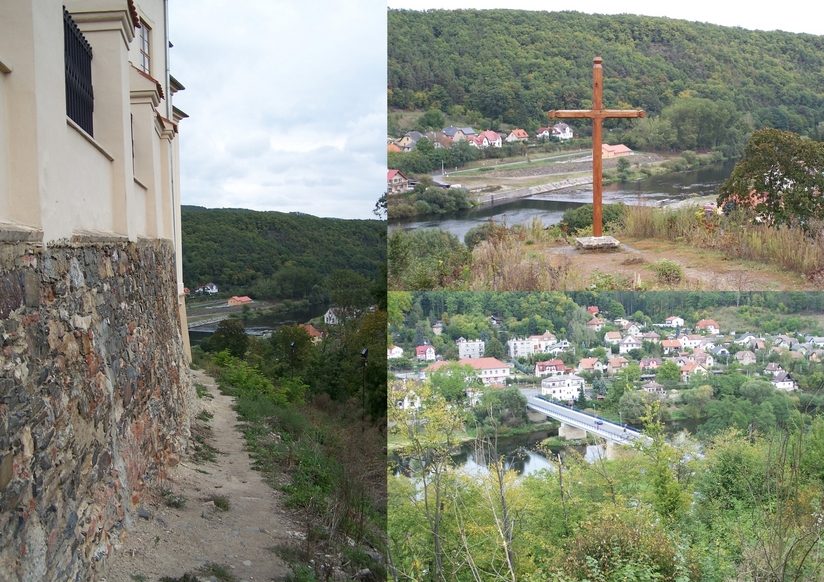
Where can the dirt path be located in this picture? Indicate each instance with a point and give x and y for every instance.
(170, 542)
(704, 270)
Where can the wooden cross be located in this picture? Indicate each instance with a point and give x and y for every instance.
(597, 114)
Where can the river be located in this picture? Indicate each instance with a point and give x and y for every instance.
(549, 208)
(265, 323)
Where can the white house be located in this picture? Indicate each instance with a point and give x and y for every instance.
(549, 368)
(590, 365)
(562, 131)
(425, 353)
(708, 326)
(674, 321)
(470, 348)
(612, 338)
(540, 343)
(564, 387)
(394, 352)
(489, 370)
(520, 347)
(782, 381)
(628, 344)
(333, 316)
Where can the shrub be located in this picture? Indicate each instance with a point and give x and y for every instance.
(668, 272)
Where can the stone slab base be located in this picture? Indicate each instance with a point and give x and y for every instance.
(596, 243)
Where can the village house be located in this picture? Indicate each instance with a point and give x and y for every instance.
(590, 365)
(235, 300)
(517, 135)
(708, 326)
(630, 328)
(628, 344)
(650, 363)
(562, 131)
(782, 381)
(317, 335)
(394, 352)
(674, 321)
(437, 328)
(745, 357)
(614, 151)
(655, 388)
(690, 369)
(425, 353)
(691, 341)
(615, 364)
(595, 324)
(651, 336)
(671, 346)
(565, 387)
(593, 310)
(612, 338)
(491, 371)
(542, 342)
(549, 368)
(396, 182)
(470, 348)
(410, 400)
(520, 347)
(773, 368)
(333, 316)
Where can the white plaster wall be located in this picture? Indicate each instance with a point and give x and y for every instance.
(5, 187)
(137, 210)
(87, 176)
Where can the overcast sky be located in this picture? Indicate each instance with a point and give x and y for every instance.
(287, 104)
(788, 15)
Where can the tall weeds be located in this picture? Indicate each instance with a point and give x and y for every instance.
(787, 247)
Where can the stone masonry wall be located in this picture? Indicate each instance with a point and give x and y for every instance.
(95, 397)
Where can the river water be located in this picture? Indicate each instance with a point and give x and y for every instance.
(265, 323)
(549, 208)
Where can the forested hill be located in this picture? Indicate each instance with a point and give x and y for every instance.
(515, 65)
(275, 254)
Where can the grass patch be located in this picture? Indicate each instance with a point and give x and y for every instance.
(187, 577)
(221, 501)
(172, 499)
(202, 392)
(202, 451)
(219, 571)
(205, 415)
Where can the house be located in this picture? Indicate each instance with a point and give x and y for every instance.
(745, 357)
(517, 135)
(630, 328)
(703, 358)
(651, 336)
(561, 346)
(690, 369)
(334, 316)
(590, 365)
(540, 343)
(708, 326)
(615, 364)
(674, 321)
(520, 347)
(593, 310)
(394, 352)
(543, 133)
(477, 141)
(650, 363)
(425, 353)
(628, 344)
(671, 346)
(595, 324)
(235, 300)
(396, 182)
(406, 398)
(690, 341)
(654, 387)
(565, 387)
(720, 352)
(470, 348)
(208, 288)
(549, 368)
(562, 131)
(455, 133)
(437, 329)
(492, 138)
(746, 339)
(615, 151)
(773, 368)
(317, 335)
(782, 381)
(612, 337)
(490, 370)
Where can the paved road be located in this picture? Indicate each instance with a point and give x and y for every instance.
(606, 429)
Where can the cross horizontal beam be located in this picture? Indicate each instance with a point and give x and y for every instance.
(596, 113)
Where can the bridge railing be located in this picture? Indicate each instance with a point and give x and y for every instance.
(629, 432)
(558, 404)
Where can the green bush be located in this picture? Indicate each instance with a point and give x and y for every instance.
(580, 218)
(668, 272)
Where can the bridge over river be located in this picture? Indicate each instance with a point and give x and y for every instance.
(575, 423)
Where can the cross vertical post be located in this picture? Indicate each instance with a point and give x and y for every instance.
(597, 114)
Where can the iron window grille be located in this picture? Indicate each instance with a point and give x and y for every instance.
(79, 92)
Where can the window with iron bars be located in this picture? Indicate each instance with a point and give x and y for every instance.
(79, 92)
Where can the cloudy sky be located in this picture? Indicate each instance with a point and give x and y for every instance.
(287, 104)
(788, 15)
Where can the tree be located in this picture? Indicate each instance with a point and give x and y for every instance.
(494, 349)
(231, 336)
(668, 372)
(451, 381)
(432, 119)
(292, 347)
(780, 178)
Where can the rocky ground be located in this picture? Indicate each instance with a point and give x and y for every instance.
(170, 541)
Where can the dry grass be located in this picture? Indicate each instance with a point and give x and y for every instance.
(786, 247)
(506, 263)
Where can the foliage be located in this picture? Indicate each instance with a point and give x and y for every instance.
(230, 335)
(494, 349)
(577, 219)
(668, 272)
(780, 179)
(432, 200)
(425, 259)
(273, 255)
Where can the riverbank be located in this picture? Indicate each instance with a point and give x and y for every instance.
(396, 443)
(219, 310)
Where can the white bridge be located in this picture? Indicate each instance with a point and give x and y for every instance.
(573, 422)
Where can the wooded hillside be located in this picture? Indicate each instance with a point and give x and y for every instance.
(285, 255)
(512, 66)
